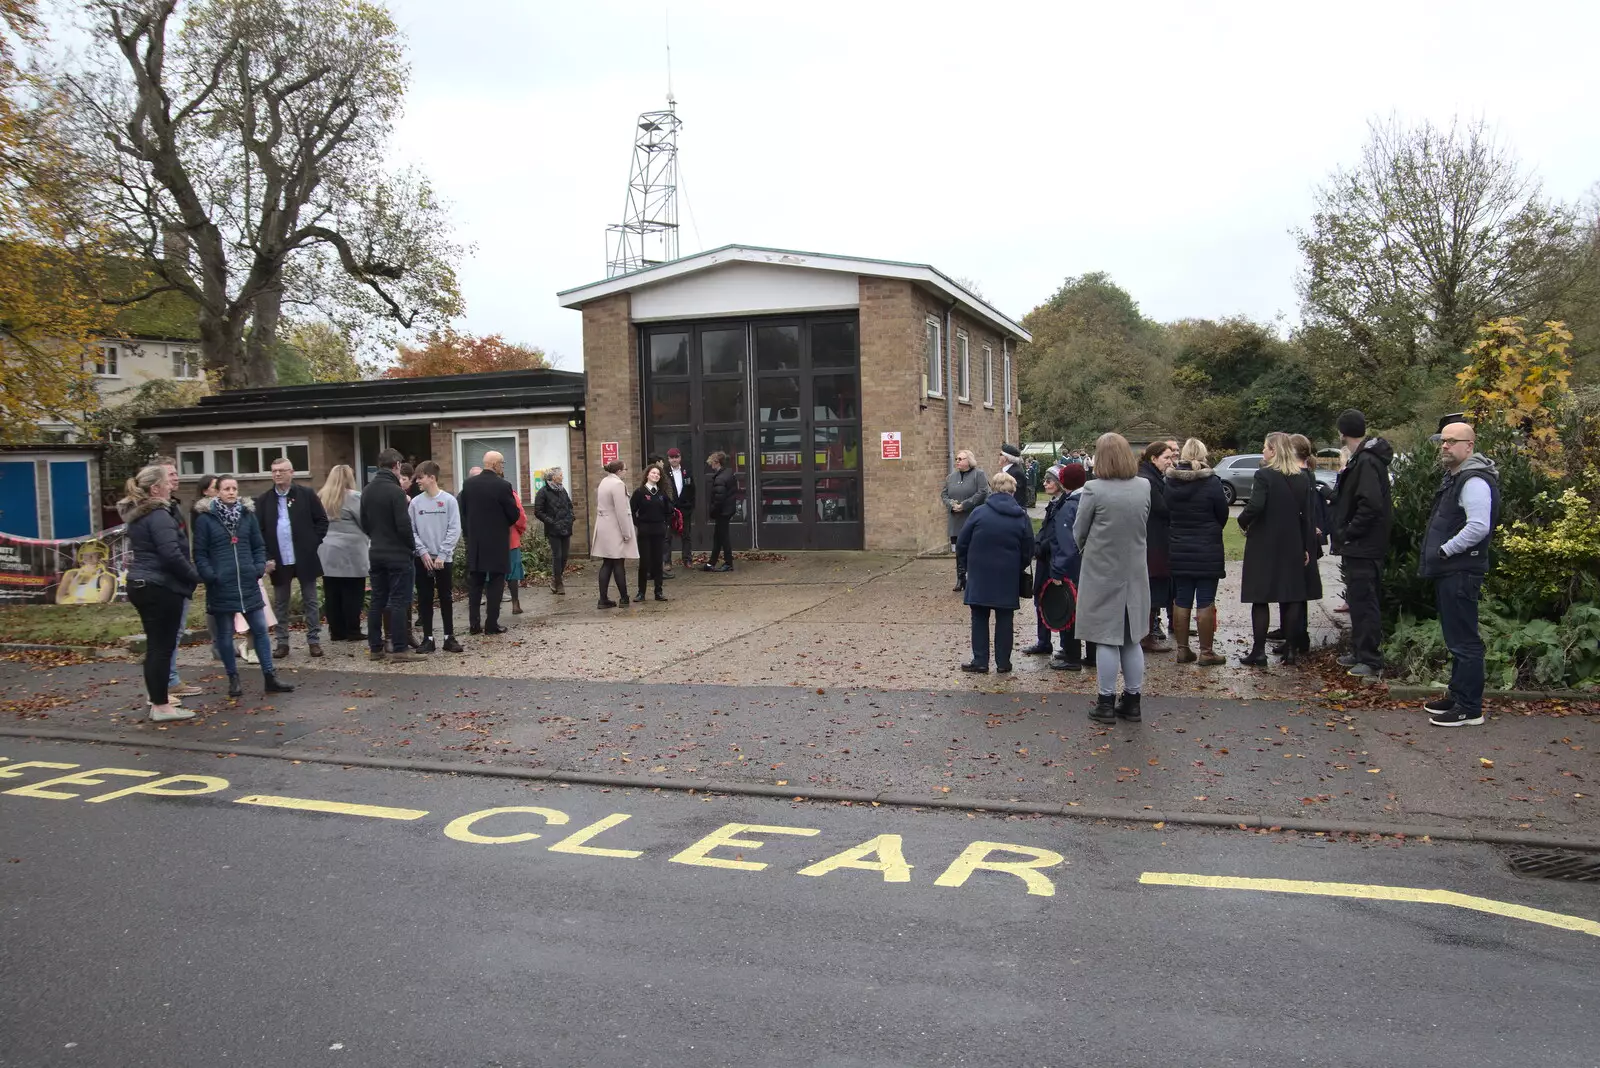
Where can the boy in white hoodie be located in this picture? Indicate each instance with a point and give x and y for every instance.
(436, 526)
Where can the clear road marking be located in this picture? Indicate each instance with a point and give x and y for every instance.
(311, 804)
(1371, 892)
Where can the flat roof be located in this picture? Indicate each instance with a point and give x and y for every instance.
(379, 400)
(923, 273)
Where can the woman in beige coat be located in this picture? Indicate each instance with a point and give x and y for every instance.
(614, 541)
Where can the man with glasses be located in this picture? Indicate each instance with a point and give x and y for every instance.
(1455, 554)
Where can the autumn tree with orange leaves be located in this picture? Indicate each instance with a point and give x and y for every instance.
(52, 261)
(446, 352)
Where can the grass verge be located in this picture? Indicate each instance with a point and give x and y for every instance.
(70, 624)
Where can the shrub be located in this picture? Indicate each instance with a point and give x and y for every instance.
(1543, 567)
(1536, 653)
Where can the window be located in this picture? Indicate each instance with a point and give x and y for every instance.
(935, 367)
(963, 369)
(471, 445)
(185, 363)
(105, 361)
(988, 376)
(251, 460)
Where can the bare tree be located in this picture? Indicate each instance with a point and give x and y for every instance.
(1433, 232)
(247, 152)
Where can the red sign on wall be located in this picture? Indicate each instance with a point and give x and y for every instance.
(610, 451)
(890, 445)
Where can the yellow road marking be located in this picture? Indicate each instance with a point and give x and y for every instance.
(1371, 892)
(311, 804)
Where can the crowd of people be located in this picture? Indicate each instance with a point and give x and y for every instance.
(1138, 536)
(397, 537)
(1127, 538)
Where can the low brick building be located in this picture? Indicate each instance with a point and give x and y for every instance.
(841, 387)
(534, 418)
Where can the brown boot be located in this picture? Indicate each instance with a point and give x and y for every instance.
(556, 586)
(1180, 634)
(1208, 634)
(516, 599)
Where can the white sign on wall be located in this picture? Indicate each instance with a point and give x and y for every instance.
(547, 448)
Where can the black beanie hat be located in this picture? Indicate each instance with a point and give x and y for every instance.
(1352, 424)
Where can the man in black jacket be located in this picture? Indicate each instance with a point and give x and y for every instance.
(724, 506)
(1363, 513)
(488, 512)
(294, 523)
(386, 518)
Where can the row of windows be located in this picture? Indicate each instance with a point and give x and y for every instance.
(108, 362)
(963, 368)
(243, 459)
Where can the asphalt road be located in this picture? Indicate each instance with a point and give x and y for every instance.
(230, 927)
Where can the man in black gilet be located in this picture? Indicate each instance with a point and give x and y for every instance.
(1455, 554)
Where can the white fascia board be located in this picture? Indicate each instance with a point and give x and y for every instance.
(399, 417)
(822, 261)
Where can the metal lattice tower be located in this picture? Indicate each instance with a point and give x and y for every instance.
(648, 234)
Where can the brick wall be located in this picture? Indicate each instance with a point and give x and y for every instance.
(901, 506)
(611, 397)
(442, 443)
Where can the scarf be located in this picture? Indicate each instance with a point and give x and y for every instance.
(228, 515)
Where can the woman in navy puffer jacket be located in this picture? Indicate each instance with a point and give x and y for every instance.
(231, 556)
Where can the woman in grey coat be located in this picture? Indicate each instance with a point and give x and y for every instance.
(343, 553)
(964, 490)
(1114, 586)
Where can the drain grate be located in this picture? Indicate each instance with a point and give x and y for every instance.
(1574, 867)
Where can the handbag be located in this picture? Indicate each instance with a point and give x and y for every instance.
(1025, 584)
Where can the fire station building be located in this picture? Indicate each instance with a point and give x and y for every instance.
(840, 388)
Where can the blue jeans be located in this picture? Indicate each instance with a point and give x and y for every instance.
(391, 600)
(172, 675)
(1457, 597)
(1194, 592)
(222, 639)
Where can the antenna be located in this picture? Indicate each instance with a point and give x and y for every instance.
(648, 233)
(671, 103)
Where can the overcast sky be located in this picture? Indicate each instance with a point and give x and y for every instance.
(1173, 145)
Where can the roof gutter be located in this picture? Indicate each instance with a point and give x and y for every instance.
(351, 420)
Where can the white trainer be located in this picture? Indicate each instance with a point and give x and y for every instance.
(167, 717)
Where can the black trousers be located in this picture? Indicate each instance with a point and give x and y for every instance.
(1041, 575)
(1003, 633)
(161, 612)
(558, 557)
(614, 568)
(1361, 581)
(343, 599)
(722, 541)
(688, 553)
(429, 584)
(391, 605)
(652, 546)
(495, 581)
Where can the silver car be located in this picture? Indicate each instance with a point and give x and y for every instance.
(1238, 474)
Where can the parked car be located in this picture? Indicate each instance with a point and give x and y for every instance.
(1238, 474)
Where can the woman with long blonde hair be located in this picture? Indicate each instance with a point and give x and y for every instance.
(161, 579)
(1278, 525)
(343, 553)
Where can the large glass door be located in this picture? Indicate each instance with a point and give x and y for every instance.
(808, 423)
(790, 386)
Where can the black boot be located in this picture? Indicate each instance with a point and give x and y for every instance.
(235, 687)
(1038, 649)
(1105, 709)
(1127, 708)
(1256, 658)
(274, 686)
(659, 595)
